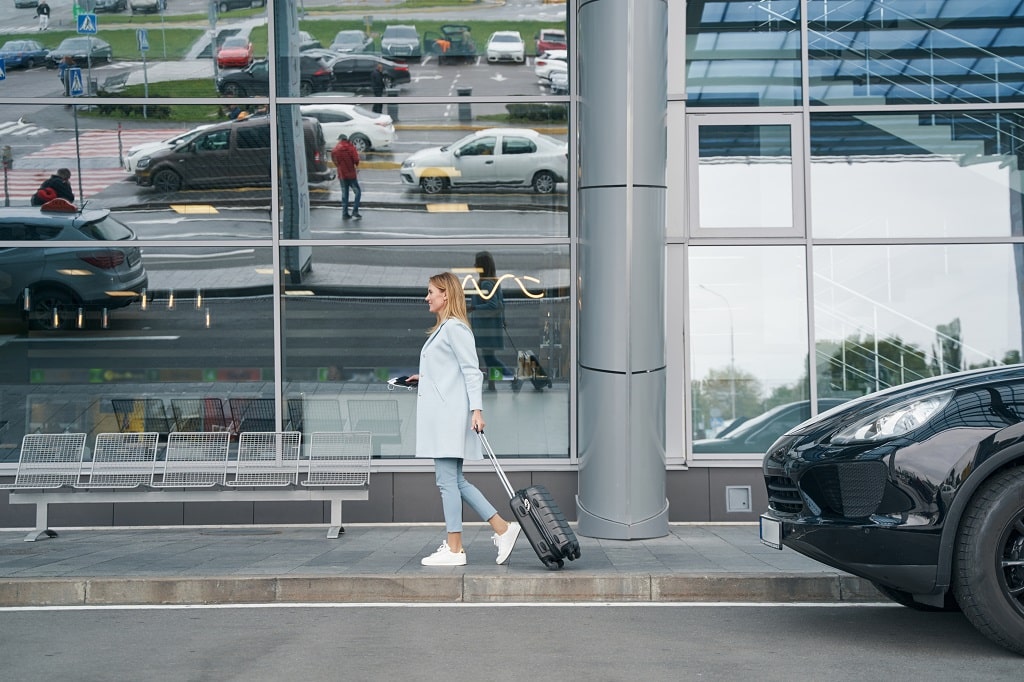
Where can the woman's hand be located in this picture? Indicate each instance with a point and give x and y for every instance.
(478, 421)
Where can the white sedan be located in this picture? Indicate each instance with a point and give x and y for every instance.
(147, 148)
(506, 46)
(366, 130)
(502, 157)
(549, 62)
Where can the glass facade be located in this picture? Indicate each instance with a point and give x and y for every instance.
(904, 255)
(844, 209)
(212, 282)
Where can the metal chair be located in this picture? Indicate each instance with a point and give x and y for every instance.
(268, 459)
(120, 460)
(339, 459)
(49, 460)
(199, 414)
(140, 415)
(253, 414)
(379, 417)
(309, 415)
(194, 460)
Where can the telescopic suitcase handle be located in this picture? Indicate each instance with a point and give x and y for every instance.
(497, 467)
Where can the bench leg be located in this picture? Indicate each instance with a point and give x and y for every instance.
(336, 528)
(41, 531)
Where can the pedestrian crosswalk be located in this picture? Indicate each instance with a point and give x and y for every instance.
(104, 149)
(103, 143)
(20, 128)
(18, 185)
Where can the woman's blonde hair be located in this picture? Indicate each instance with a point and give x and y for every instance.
(455, 304)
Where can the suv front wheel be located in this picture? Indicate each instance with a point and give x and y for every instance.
(988, 564)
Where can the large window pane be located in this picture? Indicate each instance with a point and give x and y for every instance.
(867, 52)
(359, 319)
(743, 53)
(433, 179)
(916, 175)
(203, 328)
(886, 315)
(745, 176)
(748, 345)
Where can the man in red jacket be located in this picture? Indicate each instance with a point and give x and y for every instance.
(346, 160)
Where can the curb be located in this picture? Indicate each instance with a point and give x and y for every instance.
(449, 587)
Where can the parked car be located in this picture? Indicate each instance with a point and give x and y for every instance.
(307, 41)
(506, 157)
(548, 39)
(102, 272)
(549, 62)
(83, 49)
(110, 5)
(401, 41)
(235, 51)
(147, 6)
(143, 149)
(314, 76)
(352, 72)
(452, 43)
(365, 129)
(226, 5)
(756, 434)
(24, 53)
(506, 46)
(229, 154)
(352, 41)
(559, 82)
(919, 489)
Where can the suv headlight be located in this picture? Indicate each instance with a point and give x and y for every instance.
(894, 421)
(408, 164)
(143, 163)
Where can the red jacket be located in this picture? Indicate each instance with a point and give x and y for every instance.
(346, 158)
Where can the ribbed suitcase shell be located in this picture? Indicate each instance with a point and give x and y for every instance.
(540, 518)
(545, 526)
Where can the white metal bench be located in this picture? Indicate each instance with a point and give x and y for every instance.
(125, 467)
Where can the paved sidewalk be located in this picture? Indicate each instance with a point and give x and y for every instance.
(380, 563)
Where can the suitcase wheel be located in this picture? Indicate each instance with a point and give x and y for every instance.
(553, 564)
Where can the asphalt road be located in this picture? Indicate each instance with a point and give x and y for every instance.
(668, 642)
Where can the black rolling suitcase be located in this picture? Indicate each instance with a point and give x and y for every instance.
(540, 518)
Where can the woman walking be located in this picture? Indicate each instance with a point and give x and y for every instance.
(449, 413)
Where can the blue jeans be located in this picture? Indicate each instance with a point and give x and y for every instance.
(345, 185)
(455, 490)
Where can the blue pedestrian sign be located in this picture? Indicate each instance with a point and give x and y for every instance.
(75, 74)
(142, 36)
(3, 69)
(87, 24)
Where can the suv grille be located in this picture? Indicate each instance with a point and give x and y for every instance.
(783, 495)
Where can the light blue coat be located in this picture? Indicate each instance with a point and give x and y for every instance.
(450, 388)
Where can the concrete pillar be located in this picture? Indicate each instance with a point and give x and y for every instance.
(622, 63)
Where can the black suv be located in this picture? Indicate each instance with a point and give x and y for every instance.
(315, 75)
(918, 488)
(231, 154)
(47, 285)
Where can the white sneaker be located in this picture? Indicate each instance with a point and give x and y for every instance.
(444, 557)
(505, 542)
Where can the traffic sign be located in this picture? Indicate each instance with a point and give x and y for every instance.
(142, 36)
(75, 74)
(87, 24)
(3, 69)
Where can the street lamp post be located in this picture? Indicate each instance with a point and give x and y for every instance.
(732, 349)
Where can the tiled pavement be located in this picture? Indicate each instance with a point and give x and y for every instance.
(380, 563)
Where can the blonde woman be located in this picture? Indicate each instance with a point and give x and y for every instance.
(448, 413)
